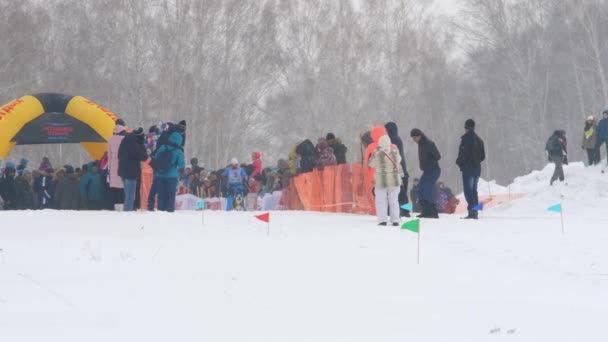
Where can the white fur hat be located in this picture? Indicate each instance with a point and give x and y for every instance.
(384, 141)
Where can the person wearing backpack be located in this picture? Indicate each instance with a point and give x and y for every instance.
(236, 178)
(131, 153)
(557, 148)
(386, 161)
(168, 158)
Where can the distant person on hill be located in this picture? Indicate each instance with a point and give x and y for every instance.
(557, 147)
(602, 133)
(590, 139)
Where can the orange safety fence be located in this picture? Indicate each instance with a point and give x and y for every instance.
(147, 176)
(343, 188)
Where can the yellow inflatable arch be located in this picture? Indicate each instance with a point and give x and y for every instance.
(55, 119)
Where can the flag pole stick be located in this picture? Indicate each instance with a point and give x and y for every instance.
(268, 229)
(561, 214)
(418, 254)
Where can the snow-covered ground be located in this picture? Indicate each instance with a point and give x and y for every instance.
(512, 276)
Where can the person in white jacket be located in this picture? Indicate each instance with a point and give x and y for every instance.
(387, 180)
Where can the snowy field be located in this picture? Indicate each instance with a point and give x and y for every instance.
(511, 276)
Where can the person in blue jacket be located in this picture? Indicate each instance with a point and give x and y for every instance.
(602, 133)
(236, 178)
(166, 180)
(90, 188)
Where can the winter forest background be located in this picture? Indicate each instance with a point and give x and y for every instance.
(265, 74)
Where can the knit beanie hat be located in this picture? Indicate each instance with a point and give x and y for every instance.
(416, 133)
(469, 124)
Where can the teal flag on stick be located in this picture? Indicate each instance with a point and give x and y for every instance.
(555, 208)
(407, 206)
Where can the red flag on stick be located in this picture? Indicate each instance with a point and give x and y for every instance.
(264, 217)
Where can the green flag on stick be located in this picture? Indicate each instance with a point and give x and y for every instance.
(413, 226)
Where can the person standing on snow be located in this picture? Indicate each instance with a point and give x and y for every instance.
(131, 153)
(429, 157)
(470, 155)
(166, 178)
(602, 134)
(236, 178)
(387, 180)
(590, 141)
(257, 164)
(393, 133)
(557, 147)
(91, 189)
(338, 147)
(117, 193)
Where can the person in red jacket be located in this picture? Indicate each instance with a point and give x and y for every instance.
(257, 164)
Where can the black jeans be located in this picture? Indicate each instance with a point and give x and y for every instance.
(559, 169)
(403, 195)
(593, 154)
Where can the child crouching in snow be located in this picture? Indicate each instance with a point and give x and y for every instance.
(387, 180)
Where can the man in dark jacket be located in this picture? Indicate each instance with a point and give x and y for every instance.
(470, 155)
(429, 157)
(602, 134)
(557, 147)
(309, 156)
(67, 193)
(130, 155)
(25, 193)
(393, 133)
(338, 147)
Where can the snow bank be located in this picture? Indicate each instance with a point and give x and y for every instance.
(584, 192)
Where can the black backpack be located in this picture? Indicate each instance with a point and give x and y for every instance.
(553, 146)
(163, 161)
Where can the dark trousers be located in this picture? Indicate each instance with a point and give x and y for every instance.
(559, 169)
(152, 195)
(593, 154)
(117, 196)
(167, 189)
(470, 179)
(426, 186)
(403, 195)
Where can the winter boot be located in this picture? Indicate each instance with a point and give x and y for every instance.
(433, 212)
(382, 224)
(473, 215)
